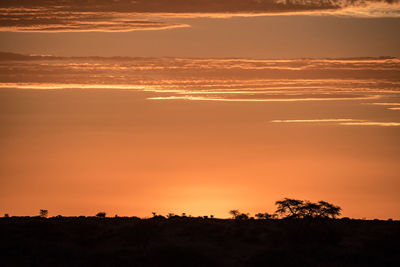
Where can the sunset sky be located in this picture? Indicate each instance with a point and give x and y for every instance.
(199, 107)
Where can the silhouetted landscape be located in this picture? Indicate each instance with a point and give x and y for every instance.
(300, 233)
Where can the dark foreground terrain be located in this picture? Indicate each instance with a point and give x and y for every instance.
(182, 241)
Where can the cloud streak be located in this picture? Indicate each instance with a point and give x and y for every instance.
(230, 80)
(350, 81)
(128, 15)
(390, 105)
(265, 98)
(51, 20)
(384, 104)
(371, 123)
(345, 122)
(316, 120)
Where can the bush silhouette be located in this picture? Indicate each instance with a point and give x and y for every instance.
(101, 214)
(43, 213)
(264, 216)
(237, 215)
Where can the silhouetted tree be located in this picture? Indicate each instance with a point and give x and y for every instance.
(237, 215)
(310, 209)
(101, 214)
(289, 208)
(43, 213)
(293, 208)
(242, 216)
(6, 215)
(328, 210)
(234, 213)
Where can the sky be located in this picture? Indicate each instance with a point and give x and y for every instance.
(199, 107)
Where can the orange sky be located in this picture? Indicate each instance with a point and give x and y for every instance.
(193, 132)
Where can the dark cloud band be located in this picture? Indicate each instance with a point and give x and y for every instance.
(128, 15)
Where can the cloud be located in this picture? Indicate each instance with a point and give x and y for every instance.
(265, 98)
(384, 104)
(370, 9)
(128, 15)
(346, 122)
(371, 123)
(316, 120)
(51, 20)
(391, 105)
(219, 80)
(341, 75)
(229, 80)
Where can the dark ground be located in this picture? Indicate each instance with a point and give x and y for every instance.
(180, 241)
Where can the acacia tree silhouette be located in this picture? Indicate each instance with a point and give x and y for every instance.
(310, 209)
(294, 208)
(234, 213)
(328, 210)
(289, 208)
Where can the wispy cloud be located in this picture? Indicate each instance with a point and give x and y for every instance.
(370, 9)
(266, 98)
(230, 80)
(390, 105)
(371, 123)
(384, 104)
(316, 120)
(218, 80)
(346, 122)
(51, 20)
(128, 15)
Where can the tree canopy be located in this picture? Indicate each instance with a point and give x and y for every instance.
(294, 208)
